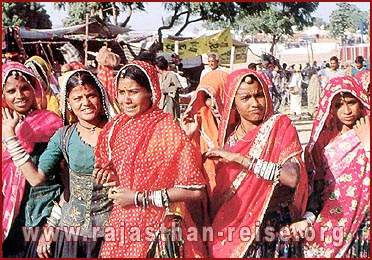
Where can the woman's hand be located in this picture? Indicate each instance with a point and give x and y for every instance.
(9, 122)
(298, 229)
(362, 129)
(44, 247)
(226, 156)
(104, 175)
(189, 124)
(121, 196)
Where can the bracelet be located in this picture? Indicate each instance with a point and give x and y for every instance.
(266, 170)
(22, 161)
(157, 199)
(136, 202)
(309, 217)
(7, 139)
(165, 199)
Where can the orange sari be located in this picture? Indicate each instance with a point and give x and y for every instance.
(212, 84)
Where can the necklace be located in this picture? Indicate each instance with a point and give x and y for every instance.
(91, 129)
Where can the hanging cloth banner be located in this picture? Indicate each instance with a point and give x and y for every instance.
(220, 43)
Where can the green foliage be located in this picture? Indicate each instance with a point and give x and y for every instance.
(347, 17)
(276, 21)
(77, 10)
(31, 15)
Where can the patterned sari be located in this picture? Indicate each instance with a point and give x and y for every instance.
(37, 127)
(341, 162)
(147, 152)
(241, 200)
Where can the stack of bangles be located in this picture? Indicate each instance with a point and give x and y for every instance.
(309, 217)
(157, 198)
(16, 150)
(266, 170)
(55, 216)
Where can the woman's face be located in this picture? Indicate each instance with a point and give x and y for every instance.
(18, 94)
(347, 109)
(85, 102)
(250, 102)
(133, 99)
(209, 102)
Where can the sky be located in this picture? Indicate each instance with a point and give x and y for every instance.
(150, 20)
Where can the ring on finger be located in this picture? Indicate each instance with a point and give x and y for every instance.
(44, 249)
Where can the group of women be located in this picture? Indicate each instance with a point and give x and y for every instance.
(135, 182)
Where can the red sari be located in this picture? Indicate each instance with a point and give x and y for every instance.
(343, 164)
(106, 76)
(148, 152)
(240, 198)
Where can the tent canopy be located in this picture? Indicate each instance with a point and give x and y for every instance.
(98, 29)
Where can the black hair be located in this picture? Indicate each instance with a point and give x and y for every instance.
(359, 59)
(79, 79)
(161, 62)
(136, 74)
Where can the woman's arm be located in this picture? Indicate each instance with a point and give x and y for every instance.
(288, 174)
(126, 197)
(20, 157)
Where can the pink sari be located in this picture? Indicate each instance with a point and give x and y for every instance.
(37, 127)
(240, 198)
(346, 173)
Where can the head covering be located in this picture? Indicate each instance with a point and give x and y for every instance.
(41, 69)
(212, 84)
(233, 82)
(151, 74)
(9, 67)
(364, 77)
(323, 118)
(66, 115)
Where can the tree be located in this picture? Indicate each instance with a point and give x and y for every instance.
(31, 15)
(347, 17)
(277, 21)
(104, 10)
(191, 12)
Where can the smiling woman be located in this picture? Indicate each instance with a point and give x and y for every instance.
(26, 129)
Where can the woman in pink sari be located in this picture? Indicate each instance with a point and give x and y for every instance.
(261, 180)
(338, 162)
(24, 205)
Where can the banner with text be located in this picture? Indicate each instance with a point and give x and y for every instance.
(220, 43)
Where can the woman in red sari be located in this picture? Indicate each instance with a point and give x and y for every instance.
(155, 165)
(261, 180)
(338, 162)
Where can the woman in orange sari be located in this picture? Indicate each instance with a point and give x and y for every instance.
(261, 180)
(156, 168)
(338, 162)
(202, 117)
(200, 123)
